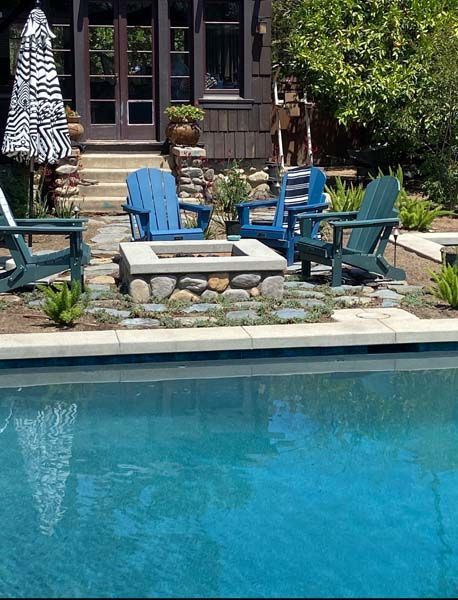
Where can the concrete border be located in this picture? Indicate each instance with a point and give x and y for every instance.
(368, 327)
(427, 245)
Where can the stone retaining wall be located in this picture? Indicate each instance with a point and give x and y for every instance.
(233, 287)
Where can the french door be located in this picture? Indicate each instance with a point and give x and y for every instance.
(120, 58)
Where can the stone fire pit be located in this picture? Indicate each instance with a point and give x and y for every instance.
(197, 271)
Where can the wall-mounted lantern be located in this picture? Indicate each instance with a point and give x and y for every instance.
(261, 26)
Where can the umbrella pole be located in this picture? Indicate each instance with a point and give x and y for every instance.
(31, 190)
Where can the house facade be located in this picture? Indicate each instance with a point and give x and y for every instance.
(121, 63)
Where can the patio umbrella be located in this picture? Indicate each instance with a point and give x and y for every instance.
(36, 129)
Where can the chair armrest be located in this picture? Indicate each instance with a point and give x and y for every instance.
(196, 207)
(360, 224)
(43, 230)
(57, 222)
(307, 207)
(135, 211)
(258, 203)
(203, 211)
(330, 215)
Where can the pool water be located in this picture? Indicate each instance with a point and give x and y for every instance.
(282, 485)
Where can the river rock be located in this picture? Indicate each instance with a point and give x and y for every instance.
(184, 296)
(154, 308)
(272, 287)
(209, 296)
(292, 313)
(241, 315)
(245, 280)
(162, 287)
(258, 178)
(218, 282)
(194, 283)
(254, 292)
(139, 323)
(139, 291)
(202, 308)
(236, 295)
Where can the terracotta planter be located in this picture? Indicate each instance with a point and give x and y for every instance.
(183, 134)
(75, 129)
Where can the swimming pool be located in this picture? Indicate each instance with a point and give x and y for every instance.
(262, 478)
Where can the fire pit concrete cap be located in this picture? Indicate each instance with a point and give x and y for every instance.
(246, 255)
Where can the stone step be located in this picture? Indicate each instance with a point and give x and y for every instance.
(128, 161)
(102, 204)
(106, 190)
(106, 175)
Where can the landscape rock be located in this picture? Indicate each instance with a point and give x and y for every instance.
(112, 312)
(194, 283)
(162, 287)
(154, 308)
(272, 287)
(184, 296)
(387, 295)
(245, 280)
(349, 301)
(202, 308)
(311, 303)
(292, 313)
(236, 295)
(209, 296)
(136, 323)
(258, 178)
(300, 285)
(191, 172)
(241, 315)
(218, 282)
(104, 279)
(139, 291)
(254, 292)
(343, 290)
(298, 293)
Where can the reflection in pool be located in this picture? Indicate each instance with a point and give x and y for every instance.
(295, 485)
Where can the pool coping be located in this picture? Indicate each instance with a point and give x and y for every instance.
(353, 327)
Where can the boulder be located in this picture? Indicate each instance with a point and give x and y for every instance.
(257, 178)
(209, 296)
(236, 295)
(184, 296)
(245, 280)
(162, 286)
(196, 283)
(218, 282)
(139, 291)
(273, 287)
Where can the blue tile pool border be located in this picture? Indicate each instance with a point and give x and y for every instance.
(180, 357)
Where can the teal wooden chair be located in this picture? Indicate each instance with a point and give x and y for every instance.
(154, 208)
(370, 227)
(29, 267)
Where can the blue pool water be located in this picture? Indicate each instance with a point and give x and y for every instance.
(281, 485)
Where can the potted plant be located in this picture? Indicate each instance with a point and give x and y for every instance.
(183, 129)
(75, 129)
(229, 190)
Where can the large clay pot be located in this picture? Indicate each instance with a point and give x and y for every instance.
(75, 129)
(183, 134)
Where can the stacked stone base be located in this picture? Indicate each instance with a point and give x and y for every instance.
(203, 287)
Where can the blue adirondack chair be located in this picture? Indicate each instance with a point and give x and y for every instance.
(301, 191)
(154, 208)
(371, 225)
(29, 267)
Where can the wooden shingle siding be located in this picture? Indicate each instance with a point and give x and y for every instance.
(244, 131)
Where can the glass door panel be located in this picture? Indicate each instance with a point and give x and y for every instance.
(120, 69)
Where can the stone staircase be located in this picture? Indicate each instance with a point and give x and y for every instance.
(110, 170)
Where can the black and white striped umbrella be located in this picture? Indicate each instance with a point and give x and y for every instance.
(37, 128)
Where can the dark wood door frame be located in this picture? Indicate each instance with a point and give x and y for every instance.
(121, 130)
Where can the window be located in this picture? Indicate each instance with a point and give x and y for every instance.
(180, 12)
(60, 18)
(223, 44)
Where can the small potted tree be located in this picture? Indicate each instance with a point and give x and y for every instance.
(184, 129)
(228, 191)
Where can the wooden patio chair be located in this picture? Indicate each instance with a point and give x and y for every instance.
(371, 228)
(154, 208)
(29, 267)
(302, 190)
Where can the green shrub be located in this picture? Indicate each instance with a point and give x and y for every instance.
(64, 306)
(419, 214)
(447, 285)
(345, 197)
(233, 189)
(184, 113)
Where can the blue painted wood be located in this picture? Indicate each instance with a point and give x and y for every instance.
(154, 208)
(302, 190)
(371, 228)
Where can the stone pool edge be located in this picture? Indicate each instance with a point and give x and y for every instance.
(350, 332)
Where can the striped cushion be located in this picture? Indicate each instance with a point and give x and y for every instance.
(297, 186)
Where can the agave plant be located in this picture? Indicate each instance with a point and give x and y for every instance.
(446, 285)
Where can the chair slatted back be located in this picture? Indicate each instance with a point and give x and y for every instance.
(300, 186)
(378, 203)
(155, 191)
(14, 242)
